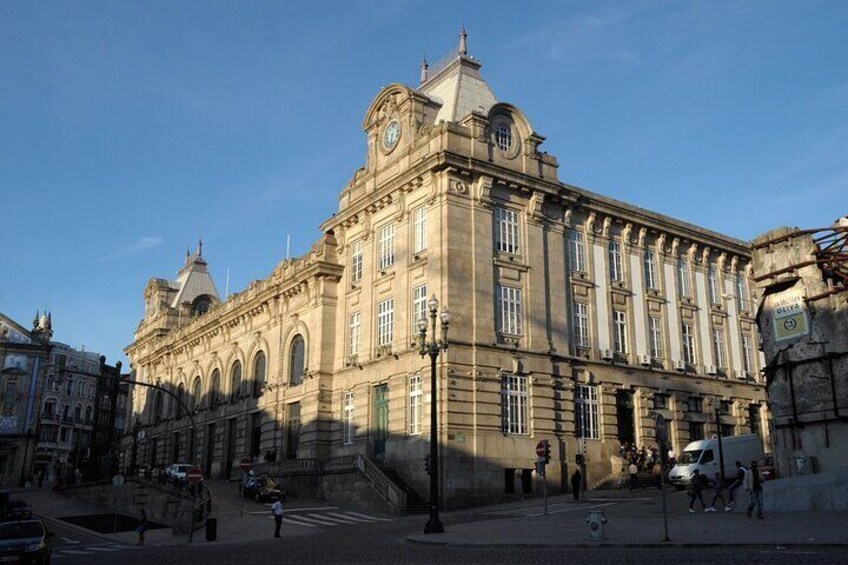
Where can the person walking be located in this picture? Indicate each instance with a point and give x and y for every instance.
(142, 527)
(277, 511)
(754, 486)
(718, 492)
(657, 471)
(740, 479)
(576, 483)
(696, 491)
(633, 470)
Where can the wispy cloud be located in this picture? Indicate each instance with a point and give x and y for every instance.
(144, 243)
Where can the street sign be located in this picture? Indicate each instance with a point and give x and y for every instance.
(662, 429)
(194, 475)
(541, 448)
(245, 464)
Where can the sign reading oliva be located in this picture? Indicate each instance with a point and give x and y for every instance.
(790, 316)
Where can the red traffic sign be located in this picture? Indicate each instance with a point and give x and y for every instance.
(194, 475)
(542, 448)
(245, 465)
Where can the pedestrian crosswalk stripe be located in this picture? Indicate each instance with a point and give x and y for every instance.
(299, 523)
(369, 517)
(309, 520)
(330, 518)
(347, 517)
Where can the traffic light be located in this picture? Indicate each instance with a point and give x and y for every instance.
(547, 453)
(427, 464)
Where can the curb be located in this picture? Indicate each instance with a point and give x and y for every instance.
(78, 529)
(620, 545)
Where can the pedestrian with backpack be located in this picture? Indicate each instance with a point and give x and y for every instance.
(696, 489)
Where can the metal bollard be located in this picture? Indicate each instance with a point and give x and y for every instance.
(596, 523)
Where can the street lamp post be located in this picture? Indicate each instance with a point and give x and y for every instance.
(24, 462)
(433, 348)
(718, 434)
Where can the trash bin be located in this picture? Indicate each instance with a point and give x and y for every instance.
(211, 529)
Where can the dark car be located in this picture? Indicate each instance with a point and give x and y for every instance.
(261, 489)
(27, 541)
(19, 510)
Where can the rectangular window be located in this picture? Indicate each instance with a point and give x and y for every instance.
(80, 388)
(347, 418)
(746, 355)
(387, 246)
(656, 337)
(712, 283)
(650, 266)
(688, 345)
(356, 261)
(419, 229)
(416, 403)
(718, 346)
(695, 404)
(725, 407)
(385, 322)
(696, 431)
(754, 418)
(355, 331)
(586, 412)
(514, 404)
(660, 401)
(683, 277)
(9, 399)
(509, 310)
(578, 252)
(506, 230)
(742, 292)
(419, 306)
(620, 334)
(581, 324)
(292, 430)
(616, 271)
(728, 430)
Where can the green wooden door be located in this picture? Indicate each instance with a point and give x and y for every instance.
(380, 421)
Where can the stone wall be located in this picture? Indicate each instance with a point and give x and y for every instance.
(803, 321)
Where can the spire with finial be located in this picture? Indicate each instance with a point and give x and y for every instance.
(424, 68)
(200, 247)
(463, 43)
(188, 254)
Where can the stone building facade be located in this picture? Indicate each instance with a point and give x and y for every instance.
(574, 317)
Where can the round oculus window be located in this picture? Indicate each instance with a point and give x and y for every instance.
(391, 135)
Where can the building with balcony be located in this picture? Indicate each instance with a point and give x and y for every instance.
(574, 318)
(24, 357)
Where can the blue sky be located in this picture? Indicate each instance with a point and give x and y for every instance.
(129, 129)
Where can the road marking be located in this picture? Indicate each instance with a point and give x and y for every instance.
(330, 518)
(311, 509)
(346, 516)
(314, 521)
(70, 541)
(573, 509)
(369, 517)
(298, 523)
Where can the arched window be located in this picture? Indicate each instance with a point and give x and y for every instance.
(78, 413)
(503, 137)
(258, 374)
(235, 381)
(297, 360)
(89, 412)
(181, 401)
(214, 388)
(200, 305)
(50, 409)
(196, 401)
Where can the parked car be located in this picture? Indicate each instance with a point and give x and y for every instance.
(262, 488)
(19, 510)
(26, 541)
(177, 472)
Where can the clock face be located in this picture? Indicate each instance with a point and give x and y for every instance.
(391, 134)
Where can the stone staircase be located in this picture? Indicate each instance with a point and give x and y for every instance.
(415, 504)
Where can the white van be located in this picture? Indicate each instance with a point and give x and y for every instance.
(703, 455)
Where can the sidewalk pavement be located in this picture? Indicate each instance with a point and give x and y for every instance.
(634, 519)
